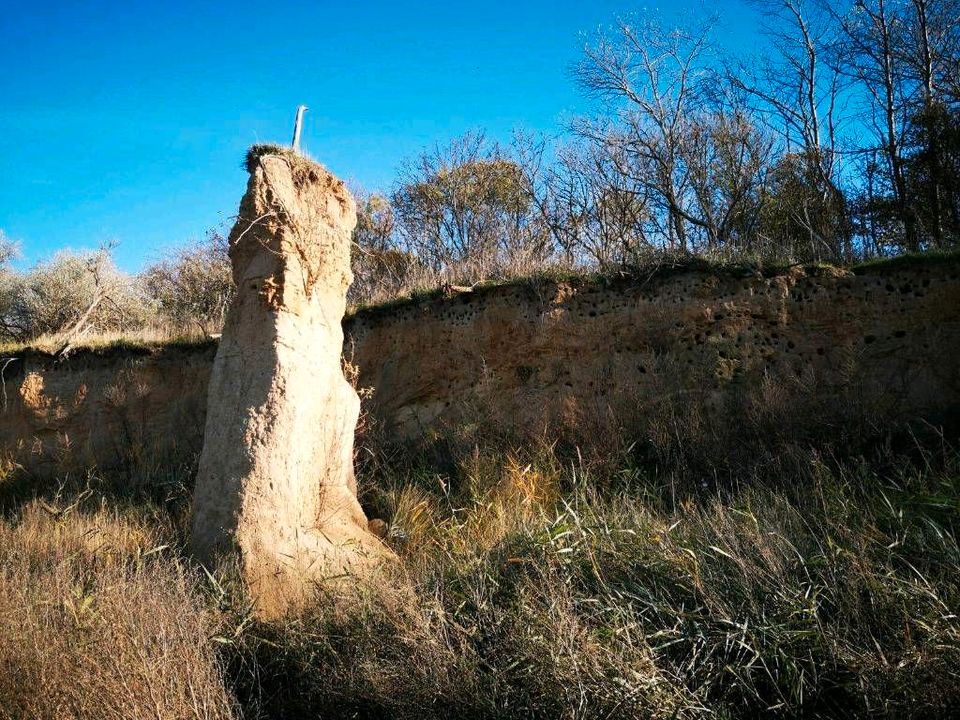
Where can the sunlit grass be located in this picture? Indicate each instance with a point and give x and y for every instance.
(145, 339)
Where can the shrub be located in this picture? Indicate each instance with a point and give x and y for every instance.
(195, 286)
(56, 294)
(9, 287)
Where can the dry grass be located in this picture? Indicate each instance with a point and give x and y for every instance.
(99, 619)
(536, 596)
(531, 587)
(148, 338)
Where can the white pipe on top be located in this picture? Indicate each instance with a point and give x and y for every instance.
(298, 126)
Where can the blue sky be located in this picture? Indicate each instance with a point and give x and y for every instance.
(128, 121)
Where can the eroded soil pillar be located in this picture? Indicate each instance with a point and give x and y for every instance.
(275, 483)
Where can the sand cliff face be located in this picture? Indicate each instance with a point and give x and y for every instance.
(543, 357)
(114, 409)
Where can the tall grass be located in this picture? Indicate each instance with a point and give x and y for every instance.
(99, 618)
(534, 584)
(838, 599)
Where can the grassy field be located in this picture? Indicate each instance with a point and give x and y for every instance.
(535, 583)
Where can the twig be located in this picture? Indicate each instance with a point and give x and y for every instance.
(78, 327)
(252, 224)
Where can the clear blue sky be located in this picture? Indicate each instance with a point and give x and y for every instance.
(127, 121)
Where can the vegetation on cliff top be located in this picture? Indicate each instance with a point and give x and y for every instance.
(659, 267)
(300, 162)
(193, 290)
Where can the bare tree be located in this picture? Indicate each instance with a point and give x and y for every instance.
(796, 91)
(929, 50)
(696, 162)
(597, 215)
(543, 237)
(794, 87)
(867, 53)
(381, 268)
